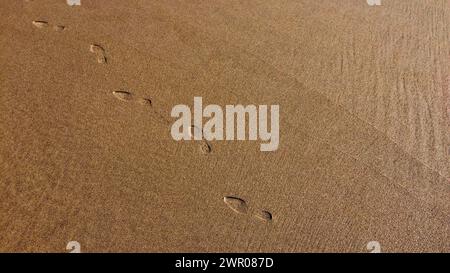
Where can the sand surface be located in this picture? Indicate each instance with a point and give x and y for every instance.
(364, 95)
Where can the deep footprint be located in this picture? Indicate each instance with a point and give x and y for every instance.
(236, 204)
(264, 215)
(99, 52)
(123, 95)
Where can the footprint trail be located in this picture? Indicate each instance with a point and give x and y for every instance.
(45, 24)
(240, 206)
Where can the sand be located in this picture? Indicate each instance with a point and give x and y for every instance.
(86, 153)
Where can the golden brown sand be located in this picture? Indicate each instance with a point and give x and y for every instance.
(86, 153)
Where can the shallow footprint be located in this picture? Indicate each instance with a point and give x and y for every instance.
(149, 103)
(59, 28)
(205, 147)
(264, 215)
(96, 49)
(123, 95)
(236, 204)
(101, 59)
(100, 52)
(40, 24)
(145, 102)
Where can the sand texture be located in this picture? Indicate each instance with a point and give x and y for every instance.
(86, 152)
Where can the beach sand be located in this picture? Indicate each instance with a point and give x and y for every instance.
(86, 152)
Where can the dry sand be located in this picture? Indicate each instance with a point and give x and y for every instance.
(86, 153)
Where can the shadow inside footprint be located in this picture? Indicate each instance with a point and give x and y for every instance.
(123, 95)
(236, 204)
(264, 215)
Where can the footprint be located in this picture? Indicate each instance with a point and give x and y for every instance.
(59, 28)
(40, 24)
(45, 24)
(123, 95)
(264, 215)
(145, 102)
(240, 206)
(158, 113)
(236, 204)
(99, 52)
(205, 147)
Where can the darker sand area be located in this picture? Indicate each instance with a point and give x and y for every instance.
(364, 147)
